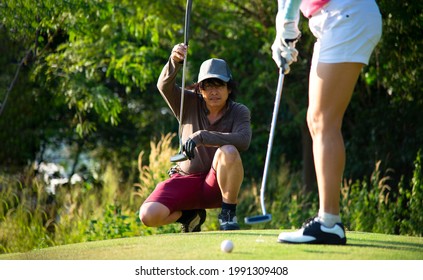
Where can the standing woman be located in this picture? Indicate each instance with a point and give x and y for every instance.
(347, 31)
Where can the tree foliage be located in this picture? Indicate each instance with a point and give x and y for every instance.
(85, 74)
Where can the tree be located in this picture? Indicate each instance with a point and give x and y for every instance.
(87, 72)
(91, 56)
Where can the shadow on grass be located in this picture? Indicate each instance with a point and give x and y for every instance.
(386, 244)
(326, 252)
(246, 233)
(352, 241)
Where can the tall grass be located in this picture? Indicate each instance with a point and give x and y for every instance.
(24, 216)
(31, 218)
(367, 205)
(285, 199)
(370, 204)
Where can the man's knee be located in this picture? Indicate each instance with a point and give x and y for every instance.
(229, 154)
(149, 215)
(144, 217)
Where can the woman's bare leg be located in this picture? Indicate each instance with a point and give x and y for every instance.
(330, 90)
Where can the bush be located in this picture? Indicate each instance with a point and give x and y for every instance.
(285, 198)
(32, 218)
(411, 221)
(25, 216)
(370, 205)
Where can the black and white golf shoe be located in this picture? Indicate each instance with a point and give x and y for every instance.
(228, 220)
(313, 232)
(194, 221)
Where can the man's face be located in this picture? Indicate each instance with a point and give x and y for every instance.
(215, 93)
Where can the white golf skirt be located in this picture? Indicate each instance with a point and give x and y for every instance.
(346, 31)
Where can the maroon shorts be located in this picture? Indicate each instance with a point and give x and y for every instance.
(185, 192)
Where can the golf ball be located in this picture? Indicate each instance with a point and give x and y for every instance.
(227, 246)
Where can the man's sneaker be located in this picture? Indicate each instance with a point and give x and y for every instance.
(313, 232)
(227, 220)
(193, 223)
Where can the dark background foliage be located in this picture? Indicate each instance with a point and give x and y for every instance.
(82, 74)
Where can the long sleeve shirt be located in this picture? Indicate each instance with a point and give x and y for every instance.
(233, 128)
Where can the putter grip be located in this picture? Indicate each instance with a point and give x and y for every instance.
(187, 21)
(283, 65)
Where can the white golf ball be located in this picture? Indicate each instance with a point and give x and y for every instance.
(227, 246)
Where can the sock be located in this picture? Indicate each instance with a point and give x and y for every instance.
(228, 206)
(186, 215)
(328, 220)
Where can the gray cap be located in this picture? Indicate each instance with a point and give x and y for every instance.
(214, 68)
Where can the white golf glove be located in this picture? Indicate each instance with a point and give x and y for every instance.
(284, 46)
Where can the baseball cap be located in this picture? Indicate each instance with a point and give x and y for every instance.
(214, 68)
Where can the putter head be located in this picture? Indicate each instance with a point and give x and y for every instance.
(258, 219)
(178, 157)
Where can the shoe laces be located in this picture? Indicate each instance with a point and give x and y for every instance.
(309, 221)
(228, 216)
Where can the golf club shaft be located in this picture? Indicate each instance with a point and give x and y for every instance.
(186, 39)
(271, 136)
(182, 104)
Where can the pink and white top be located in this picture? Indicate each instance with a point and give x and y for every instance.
(309, 7)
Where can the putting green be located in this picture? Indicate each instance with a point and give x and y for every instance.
(248, 245)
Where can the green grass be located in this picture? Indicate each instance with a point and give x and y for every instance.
(249, 245)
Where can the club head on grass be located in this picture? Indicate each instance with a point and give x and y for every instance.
(258, 219)
(178, 157)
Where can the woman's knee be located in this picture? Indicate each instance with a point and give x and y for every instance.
(314, 122)
(320, 123)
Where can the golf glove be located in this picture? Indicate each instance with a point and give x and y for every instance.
(284, 44)
(189, 148)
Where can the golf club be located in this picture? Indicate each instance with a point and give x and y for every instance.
(265, 217)
(181, 156)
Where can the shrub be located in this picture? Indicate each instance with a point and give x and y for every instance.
(32, 218)
(370, 205)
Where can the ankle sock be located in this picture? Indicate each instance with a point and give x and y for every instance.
(186, 215)
(228, 206)
(328, 220)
